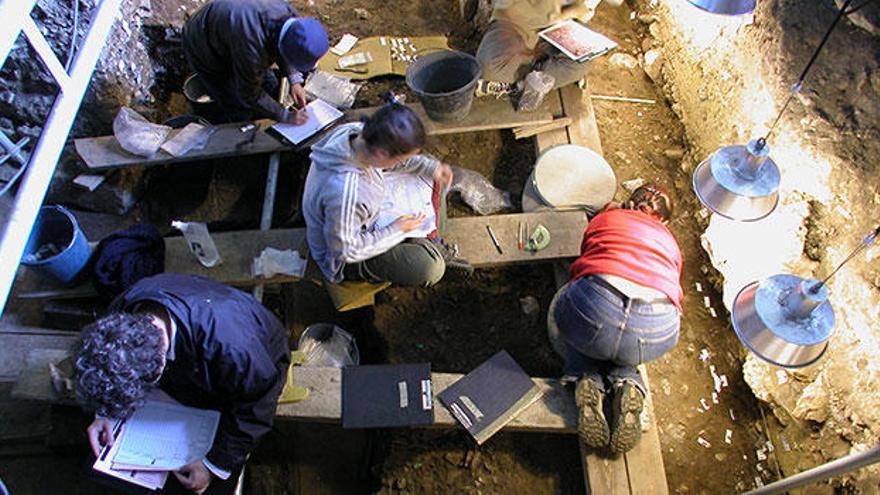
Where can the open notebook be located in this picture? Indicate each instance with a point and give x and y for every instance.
(407, 194)
(321, 115)
(576, 41)
(159, 437)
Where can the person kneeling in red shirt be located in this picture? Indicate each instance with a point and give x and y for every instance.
(621, 308)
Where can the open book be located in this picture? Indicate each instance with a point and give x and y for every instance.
(321, 115)
(577, 41)
(159, 437)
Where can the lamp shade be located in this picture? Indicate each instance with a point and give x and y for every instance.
(739, 182)
(783, 321)
(726, 7)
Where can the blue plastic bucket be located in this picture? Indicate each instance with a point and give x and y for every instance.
(65, 249)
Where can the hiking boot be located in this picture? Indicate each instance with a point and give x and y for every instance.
(626, 409)
(494, 88)
(592, 427)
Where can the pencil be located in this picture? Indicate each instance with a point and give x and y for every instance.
(494, 239)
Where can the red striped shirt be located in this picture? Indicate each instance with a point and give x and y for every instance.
(635, 246)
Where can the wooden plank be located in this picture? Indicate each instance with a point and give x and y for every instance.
(547, 139)
(578, 105)
(237, 251)
(16, 342)
(554, 412)
(533, 130)
(470, 233)
(486, 114)
(104, 152)
(603, 475)
(644, 463)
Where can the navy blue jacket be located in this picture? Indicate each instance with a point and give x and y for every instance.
(231, 355)
(232, 43)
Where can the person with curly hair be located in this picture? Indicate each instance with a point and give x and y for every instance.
(205, 344)
(621, 308)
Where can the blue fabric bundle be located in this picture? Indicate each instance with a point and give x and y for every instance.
(127, 256)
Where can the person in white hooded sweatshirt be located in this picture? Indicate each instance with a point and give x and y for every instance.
(345, 189)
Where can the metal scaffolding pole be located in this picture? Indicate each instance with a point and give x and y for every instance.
(822, 472)
(16, 18)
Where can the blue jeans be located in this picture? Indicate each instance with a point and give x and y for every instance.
(603, 334)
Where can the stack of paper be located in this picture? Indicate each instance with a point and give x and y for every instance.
(321, 114)
(159, 437)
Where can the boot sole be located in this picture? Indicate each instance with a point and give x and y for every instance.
(592, 426)
(627, 428)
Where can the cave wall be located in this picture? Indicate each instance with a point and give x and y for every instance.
(727, 77)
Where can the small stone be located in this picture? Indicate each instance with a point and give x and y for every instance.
(362, 14)
(529, 305)
(624, 60)
(674, 153)
(633, 184)
(652, 63)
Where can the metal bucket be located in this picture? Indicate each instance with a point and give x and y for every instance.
(569, 176)
(444, 81)
(195, 92)
(55, 226)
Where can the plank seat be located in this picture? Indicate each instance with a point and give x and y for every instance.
(238, 249)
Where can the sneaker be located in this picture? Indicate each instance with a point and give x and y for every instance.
(452, 259)
(494, 88)
(592, 426)
(626, 409)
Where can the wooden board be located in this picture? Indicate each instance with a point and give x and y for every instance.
(486, 114)
(17, 341)
(104, 152)
(644, 463)
(237, 251)
(555, 411)
(470, 233)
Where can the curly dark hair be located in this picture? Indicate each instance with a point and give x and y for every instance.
(118, 361)
(651, 197)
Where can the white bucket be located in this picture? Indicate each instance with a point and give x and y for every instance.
(569, 176)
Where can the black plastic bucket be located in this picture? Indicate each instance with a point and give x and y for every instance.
(444, 81)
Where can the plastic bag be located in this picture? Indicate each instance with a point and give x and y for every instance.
(335, 90)
(536, 85)
(478, 192)
(138, 135)
(325, 344)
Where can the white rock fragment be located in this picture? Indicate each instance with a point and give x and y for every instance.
(723, 379)
(714, 397)
(785, 446)
(707, 302)
(713, 313)
(699, 286)
(781, 377)
(730, 413)
(761, 454)
(705, 443)
(758, 482)
(704, 404)
(382, 41)
(769, 445)
(728, 435)
(704, 355)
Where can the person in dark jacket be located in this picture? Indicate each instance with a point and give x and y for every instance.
(231, 44)
(205, 344)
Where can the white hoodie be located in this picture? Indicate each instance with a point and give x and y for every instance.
(342, 199)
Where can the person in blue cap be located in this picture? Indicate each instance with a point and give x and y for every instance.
(232, 45)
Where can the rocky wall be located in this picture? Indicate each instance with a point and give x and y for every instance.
(727, 77)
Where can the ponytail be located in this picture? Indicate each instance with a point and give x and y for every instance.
(394, 128)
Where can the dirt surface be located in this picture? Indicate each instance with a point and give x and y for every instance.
(463, 321)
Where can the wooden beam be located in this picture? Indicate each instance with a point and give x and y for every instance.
(16, 342)
(578, 105)
(104, 152)
(470, 234)
(554, 412)
(486, 114)
(532, 130)
(644, 463)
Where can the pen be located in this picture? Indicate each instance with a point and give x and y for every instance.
(106, 449)
(494, 239)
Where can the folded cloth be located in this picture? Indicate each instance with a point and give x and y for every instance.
(124, 257)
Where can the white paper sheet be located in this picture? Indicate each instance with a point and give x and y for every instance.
(321, 114)
(163, 437)
(151, 480)
(407, 194)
